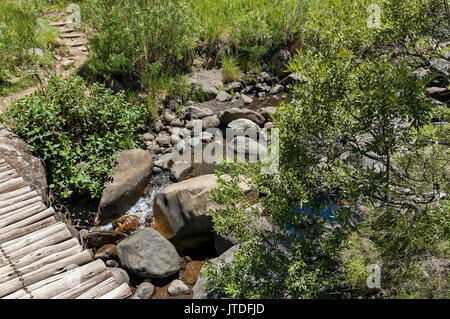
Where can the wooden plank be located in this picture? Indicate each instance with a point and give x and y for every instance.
(20, 214)
(100, 290)
(46, 271)
(10, 182)
(22, 294)
(16, 233)
(48, 241)
(21, 242)
(85, 286)
(20, 204)
(11, 272)
(43, 252)
(7, 174)
(70, 281)
(30, 220)
(19, 192)
(120, 292)
(12, 187)
(16, 199)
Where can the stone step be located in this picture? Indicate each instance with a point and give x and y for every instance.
(66, 30)
(74, 43)
(58, 23)
(71, 35)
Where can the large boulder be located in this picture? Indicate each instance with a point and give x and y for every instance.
(228, 116)
(149, 255)
(131, 175)
(20, 156)
(179, 212)
(200, 291)
(206, 81)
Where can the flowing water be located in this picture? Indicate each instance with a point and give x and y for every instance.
(143, 207)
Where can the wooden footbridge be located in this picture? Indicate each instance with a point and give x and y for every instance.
(39, 259)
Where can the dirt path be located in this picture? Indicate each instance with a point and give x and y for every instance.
(71, 54)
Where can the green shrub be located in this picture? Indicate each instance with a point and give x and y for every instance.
(77, 131)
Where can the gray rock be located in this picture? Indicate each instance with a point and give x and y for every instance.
(199, 291)
(163, 161)
(198, 113)
(148, 137)
(179, 211)
(152, 147)
(168, 116)
(98, 239)
(248, 89)
(223, 96)
(277, 88)
(264, 76)
(148, 254)
(120, 275)
(112, 263)
(239, 126)
(207, 81)
(207, 137)
(20, 156)
(267, 112)
(130, 177)
(262, 87)
(177, 287)
(163, 140)
(233, 87)
(244, 145)
(230, 115)
(294, 78)
(177, 123)
(210, 122)
(144, 291)
(246, 99)
(438, 92)
(180, 170)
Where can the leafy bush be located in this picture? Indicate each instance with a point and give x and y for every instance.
(354, 136)
(77, 130)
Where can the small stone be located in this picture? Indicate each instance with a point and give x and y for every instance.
(144, 291)
(248, 89)
(168, 116)
(263, 87)
(112, 263)
(148, 137)
(163, 140)
(177, 287)
(268, 125)
(233, 87)
(157, 170)
(246, 99)
(106, 252)
(210, 122)
(207, 137)
(180, 170)
(223, 96)
(119, 274)
(277, 88)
